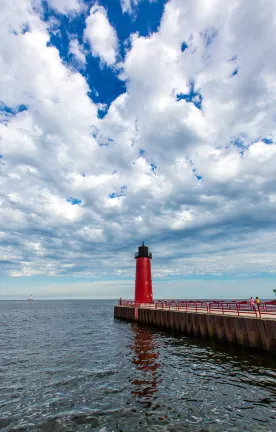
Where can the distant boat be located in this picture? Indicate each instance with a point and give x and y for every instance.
(30, 298)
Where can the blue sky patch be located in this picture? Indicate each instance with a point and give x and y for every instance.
(102, 112)
(141, 152)
(267, 141)
(184, 46)
(73, 201)
(145, 20)
(235, 72)
(193, 96)
(118, 194)
(153, 167)
(199, 177)
(25, 28)
(240, 141)
(7, 112)
(12, 111)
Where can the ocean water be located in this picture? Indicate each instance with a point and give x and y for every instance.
(70, 366)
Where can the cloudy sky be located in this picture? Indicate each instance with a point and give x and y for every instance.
(124, 121)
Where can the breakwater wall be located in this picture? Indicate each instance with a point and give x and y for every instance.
(254, 332)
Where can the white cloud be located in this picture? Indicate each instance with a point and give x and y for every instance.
(209, 206)
(77, 50)
(129, 6)
(101, 36)
(66, 6)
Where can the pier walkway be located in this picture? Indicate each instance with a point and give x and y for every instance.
(266, 310)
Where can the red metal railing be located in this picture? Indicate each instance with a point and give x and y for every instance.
(234, 307)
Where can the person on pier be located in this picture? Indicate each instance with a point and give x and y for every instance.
(252, 303)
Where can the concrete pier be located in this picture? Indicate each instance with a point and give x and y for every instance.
(242, 330)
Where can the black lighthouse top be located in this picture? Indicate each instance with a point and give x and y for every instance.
(143, 252)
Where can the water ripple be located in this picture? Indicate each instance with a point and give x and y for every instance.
(69, 366)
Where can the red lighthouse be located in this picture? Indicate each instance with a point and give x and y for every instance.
(143, 284)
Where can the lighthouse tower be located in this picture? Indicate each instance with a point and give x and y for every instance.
(143, 284)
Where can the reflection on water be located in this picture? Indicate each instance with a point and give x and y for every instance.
(195, 385)
(145, 357)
